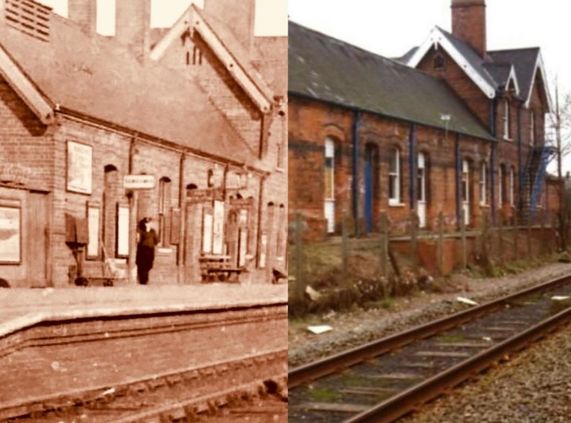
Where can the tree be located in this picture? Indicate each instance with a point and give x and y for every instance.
(560, 123)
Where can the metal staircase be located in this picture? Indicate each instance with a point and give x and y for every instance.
(532, 180)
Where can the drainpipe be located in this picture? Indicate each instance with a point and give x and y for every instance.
(356, 149)
(458, 178)
(413, 166)
(182, 217)
(493, 127)
(133, 200)
(519, 154)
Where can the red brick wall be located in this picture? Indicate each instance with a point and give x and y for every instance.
(466, 89)
(469, 24)
(311, 122)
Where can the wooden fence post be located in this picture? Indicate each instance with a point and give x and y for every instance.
(529, 244)
(501, 239)
(440, 249)
(345, 252)
(463, 238)
(298, 257)
(542, 247)
(414, 224)
(384, 240)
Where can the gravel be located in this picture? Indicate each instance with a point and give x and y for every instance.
(360, 326)
(534, 387)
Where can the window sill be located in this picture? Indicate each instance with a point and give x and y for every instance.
(485, 205)
(397, 205)
(164, 250)
(508, 139)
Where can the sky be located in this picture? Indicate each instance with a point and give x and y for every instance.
(270, 14)
(391, 27)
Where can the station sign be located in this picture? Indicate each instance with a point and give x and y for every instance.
(139, 181)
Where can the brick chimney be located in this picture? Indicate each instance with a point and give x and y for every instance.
(84, 12)
(133, 22)
(469, 23)
(238, 16)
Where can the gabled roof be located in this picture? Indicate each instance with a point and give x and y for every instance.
(504, 74)
(96, 77)
(494, 71)
(225, 47)
(330, 70)
(464, 55)
(527, 62)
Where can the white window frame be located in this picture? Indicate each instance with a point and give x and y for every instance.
(329, 202)
(484, 184)
(507, 120)
(531, 127)
(466, 204)
(394, 178)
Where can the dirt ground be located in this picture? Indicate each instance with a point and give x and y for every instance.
(392, 315)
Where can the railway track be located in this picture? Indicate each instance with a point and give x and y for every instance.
(386, 379)
(176, 397)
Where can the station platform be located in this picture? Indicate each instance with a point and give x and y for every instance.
(70, 346)
(20, 308)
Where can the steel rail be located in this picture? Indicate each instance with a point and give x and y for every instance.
(411, 399)
(333, 364)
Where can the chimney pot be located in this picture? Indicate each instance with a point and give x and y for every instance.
(469, 23)
(84, 12)
(133, 23)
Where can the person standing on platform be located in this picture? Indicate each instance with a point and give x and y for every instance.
(148, 239)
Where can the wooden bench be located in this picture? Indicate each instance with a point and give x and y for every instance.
(218, 268)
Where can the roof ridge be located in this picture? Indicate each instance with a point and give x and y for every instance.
(377, 55)
(514, 49)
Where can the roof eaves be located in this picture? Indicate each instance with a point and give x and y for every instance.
(437, 37)
(25, 88)
(539, 65)
(489, 137)
(252, 84)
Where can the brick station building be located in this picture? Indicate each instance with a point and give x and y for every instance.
(200, 107)
(450, 127)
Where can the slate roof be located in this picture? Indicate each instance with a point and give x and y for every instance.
(500, 72)
(97, 77)
(475, 60)
(330, 70)
(524, 61)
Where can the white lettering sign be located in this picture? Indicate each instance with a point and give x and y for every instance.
(139, 181)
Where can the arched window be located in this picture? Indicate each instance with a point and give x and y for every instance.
(394, 177)
(466, 179)
(329, 184)
(438, 62)
(531, 128)
(164, 210)
(484, 184)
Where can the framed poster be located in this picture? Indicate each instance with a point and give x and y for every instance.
(218, 228)
(93, 223)
(122, 231)
(79, 167)
(207, 232)
(10, 234)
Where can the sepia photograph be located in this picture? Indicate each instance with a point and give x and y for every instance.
(429, 200)
(143, 211)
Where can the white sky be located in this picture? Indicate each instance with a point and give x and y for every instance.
(270, 14)
(391, 27)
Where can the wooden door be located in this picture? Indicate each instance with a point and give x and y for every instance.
(37, 240)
